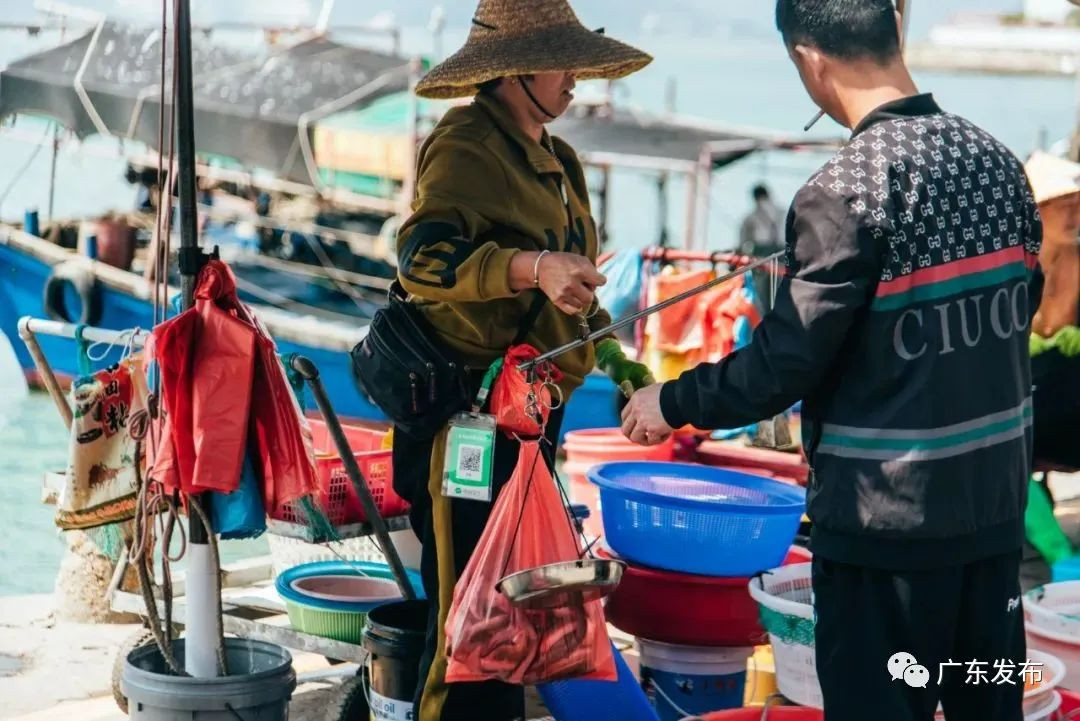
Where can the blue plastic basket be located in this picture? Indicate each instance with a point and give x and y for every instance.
(339, 620)
(696, 519)
(283, 584)
(619, 700)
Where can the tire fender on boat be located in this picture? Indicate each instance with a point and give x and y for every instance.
(85, 284)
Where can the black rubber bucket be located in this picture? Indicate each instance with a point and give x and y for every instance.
(394, 636)
(258, 688)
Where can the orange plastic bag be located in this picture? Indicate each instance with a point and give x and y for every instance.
(487, 637)
(514, 414)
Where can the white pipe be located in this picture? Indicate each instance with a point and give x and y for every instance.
(41, 326)
(200, 629)
(324, 16)
(84, 98)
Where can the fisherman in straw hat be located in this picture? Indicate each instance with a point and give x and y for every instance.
(501, 248)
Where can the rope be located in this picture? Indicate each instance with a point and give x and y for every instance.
(140, 557)
(521, 513)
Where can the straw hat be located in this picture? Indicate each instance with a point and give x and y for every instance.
(1052, 177)
(521, 37)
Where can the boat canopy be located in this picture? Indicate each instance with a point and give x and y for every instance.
(256, 107)
(321, 115)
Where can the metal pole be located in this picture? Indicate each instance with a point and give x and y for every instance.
(631, 319)
(200, 658)
(704, 189)
(412, 133)
(310, 372)
(55, 145)
(45, 371)
(185, 146)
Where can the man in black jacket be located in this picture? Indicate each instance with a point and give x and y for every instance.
(902, 323)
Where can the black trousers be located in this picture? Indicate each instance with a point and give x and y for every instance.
(449, 530)
(940, 617)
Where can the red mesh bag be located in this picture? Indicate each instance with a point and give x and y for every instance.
(514, 414)
(488, 637)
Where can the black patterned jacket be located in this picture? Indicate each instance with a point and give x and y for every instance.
(903, 323)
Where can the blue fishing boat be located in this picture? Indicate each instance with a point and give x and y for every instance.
(113, 298)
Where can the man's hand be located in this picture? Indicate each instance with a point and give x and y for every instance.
(642, 421)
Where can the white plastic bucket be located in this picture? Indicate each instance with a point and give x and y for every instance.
(788, 590)
(690, 680)
(1046, 712)
(1055, 607)
(1062, 646)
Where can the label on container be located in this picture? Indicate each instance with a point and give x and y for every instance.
(390, 709)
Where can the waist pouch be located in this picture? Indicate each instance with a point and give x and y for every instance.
(408, 373)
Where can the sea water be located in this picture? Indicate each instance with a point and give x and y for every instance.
(729, 66)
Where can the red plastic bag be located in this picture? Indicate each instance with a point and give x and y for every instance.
(206, 358)
(488, 637)
(221, 377)
(510, 394)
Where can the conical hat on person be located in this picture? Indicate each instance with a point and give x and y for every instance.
(522, 37)
(1052, 177)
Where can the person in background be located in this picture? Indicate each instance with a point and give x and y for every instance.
(761, 232)
(761, 235)
(902, 323)
(500, 249)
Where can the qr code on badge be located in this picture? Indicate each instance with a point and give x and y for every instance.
(469, 463)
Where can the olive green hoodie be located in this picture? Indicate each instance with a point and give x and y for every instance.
(486, 191)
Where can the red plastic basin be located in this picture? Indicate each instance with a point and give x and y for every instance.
(686, 609)
(587, 448)
(776, 463)
(601, 445)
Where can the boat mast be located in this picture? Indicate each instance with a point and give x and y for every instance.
(200, 657)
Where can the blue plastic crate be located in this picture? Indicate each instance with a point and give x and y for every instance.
(697, 519)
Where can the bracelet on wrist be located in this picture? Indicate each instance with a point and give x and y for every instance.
(536, 268)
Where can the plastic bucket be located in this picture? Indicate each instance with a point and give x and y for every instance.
(395, 636)
(258, 688)
(690, 680)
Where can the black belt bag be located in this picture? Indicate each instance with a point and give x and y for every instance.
(409, 374)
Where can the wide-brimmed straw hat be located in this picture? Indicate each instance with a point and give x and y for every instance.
(521, 37)
(1052, 177)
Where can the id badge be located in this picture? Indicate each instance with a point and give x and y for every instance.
(470, 454)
